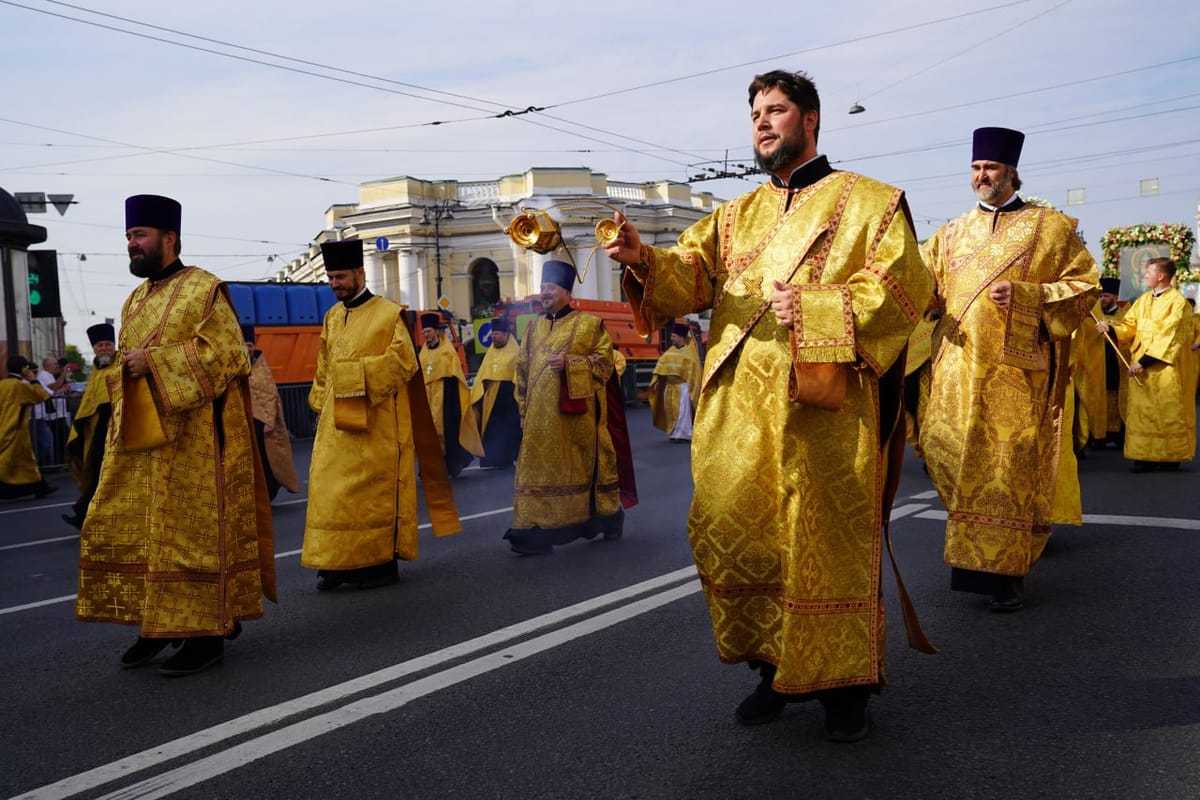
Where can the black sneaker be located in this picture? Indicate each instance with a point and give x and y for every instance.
(143, 651)
(197, 654)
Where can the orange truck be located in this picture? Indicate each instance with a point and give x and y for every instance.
(287, 321)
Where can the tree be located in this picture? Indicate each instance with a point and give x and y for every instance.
(75, 364)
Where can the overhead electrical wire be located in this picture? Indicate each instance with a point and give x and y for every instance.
(510, 110)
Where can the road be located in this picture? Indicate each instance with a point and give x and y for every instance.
(592, 673)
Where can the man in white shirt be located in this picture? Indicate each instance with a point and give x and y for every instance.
(53, 378)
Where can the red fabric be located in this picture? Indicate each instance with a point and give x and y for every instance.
(619, 432)
(567, 404)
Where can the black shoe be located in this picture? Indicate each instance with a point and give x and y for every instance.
(44, 490)
(197, 654)
(846, 713)
(376, 582)
(236, 632)
(614, 526)
(329, 582)
(1169, 466)
(762, 705)
(524, 543)
(1008, 599)
(73, 521)
(143, 651)
(1141, 466)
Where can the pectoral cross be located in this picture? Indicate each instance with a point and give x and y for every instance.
(752, 287)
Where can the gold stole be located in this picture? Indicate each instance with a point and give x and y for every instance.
(775, 258)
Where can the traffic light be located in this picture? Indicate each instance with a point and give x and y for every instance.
(43, 284)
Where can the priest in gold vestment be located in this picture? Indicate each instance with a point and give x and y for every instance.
(178, 538)
(1101, 377)
(1014, 281)
(494, 400)
(1160, 418)
(374, 426)
(568, 479)
(270, 427)
(449, 397)
(674, 385)
(815, 283)
(19, 393)
(89, 428)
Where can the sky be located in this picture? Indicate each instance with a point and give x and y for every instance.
(107, 99)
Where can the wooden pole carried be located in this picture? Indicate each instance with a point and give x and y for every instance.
(1116, 349)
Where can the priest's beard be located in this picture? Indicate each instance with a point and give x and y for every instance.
(149, 264)
(788, 151)
(993, 193)
(104, 361)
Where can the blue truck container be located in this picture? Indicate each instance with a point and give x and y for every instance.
(270, 304)
(302, 304)
(243, 302)
(326, 300)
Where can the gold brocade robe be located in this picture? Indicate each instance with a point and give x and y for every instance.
(1195, 353)
(178, 538)
(438, 364)
(362, 506)
(1090, 376)
(565, 459)
(1160, 417)
(916, 382)
(787, 517)
(268, 409)
(993, 431)
(83, 439)
(675, 367)
(18, 464)
(499, 366)
(1066, 507)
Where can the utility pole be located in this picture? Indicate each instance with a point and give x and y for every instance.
(441, 210)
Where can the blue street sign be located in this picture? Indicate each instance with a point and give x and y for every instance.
(381, 243)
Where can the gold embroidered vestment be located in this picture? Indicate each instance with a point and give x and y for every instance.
(787, 516)
(993, 431)
(268, 409)
(1160, 416)
(362, 507)
(564, 458)
(677, 366)
(178, 538)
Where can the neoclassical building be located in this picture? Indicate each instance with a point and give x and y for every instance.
(429, 239)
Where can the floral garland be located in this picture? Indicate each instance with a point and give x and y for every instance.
(1177, 235)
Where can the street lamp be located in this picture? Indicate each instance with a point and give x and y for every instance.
(441, 210)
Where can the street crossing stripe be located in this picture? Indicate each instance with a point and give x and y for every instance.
(338, 717)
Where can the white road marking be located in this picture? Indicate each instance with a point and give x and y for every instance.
(38, 604)
(277, 555)
(248, 752)
(34, 508)
(1110, 519)
(1142, 522)
(70, 597)
(39, 541)
(931, 494)
(272, 715)
(905, 510)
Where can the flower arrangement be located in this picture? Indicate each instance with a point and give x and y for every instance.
(1177, 235)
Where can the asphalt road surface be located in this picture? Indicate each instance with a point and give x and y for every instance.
(592, 673)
